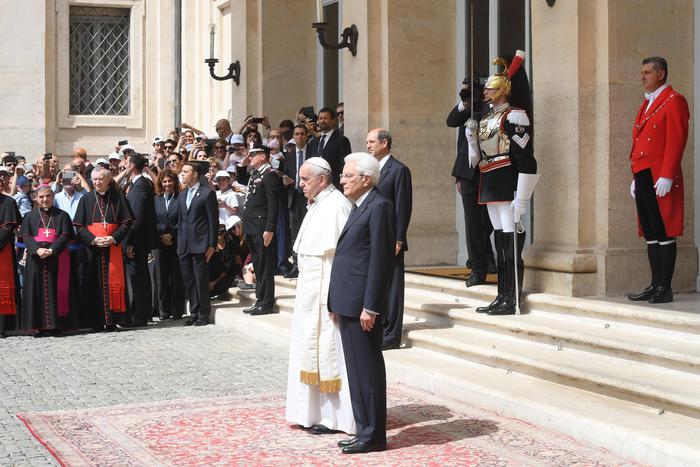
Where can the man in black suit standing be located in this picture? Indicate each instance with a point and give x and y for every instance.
(395, 185)
(139, 241)
(296, 201)
(357, 298)
(259, 223)
(476, 217)
(331, 145)
(197, 229)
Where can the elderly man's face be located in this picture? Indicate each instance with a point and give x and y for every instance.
(100, 180)
(651, 78)
(354, 184)
(311, 183)
(45, 199)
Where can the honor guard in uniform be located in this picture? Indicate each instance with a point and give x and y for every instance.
(501, 144)
(659, 136)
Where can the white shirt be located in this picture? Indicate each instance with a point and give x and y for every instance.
(651, 96)
(383, 161)
(327, 137)
(362, 198)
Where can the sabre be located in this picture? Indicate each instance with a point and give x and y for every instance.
(517, 230)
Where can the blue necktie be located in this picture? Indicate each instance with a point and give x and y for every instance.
(190, 195)
(300, 161)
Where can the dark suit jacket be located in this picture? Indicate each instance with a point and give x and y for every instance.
(364, 259)
(166, 220)
(334, 152)
(395, 185)
(198, 226)
(461, 169)
(262, 203)
(141, 199)
(290, 168)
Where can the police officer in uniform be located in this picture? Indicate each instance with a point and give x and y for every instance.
(502, 145)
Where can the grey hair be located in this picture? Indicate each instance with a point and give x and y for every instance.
(320, 171)
(365, 165)
(658, 63)
(98, 169)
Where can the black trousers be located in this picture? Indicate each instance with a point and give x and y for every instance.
(477, 228)
(297, 211)
(171, 287)
(393, 320)
(195, 274)
(366, 378)
(648, 207)
(264, 259)
(139, 284)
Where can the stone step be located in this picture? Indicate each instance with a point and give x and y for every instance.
(658, 387)
(654, 317)
(670, 349)
(636, 432)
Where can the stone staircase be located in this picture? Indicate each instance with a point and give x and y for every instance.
(621, 376)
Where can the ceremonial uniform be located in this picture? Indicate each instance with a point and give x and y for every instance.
(259, 216)
(659, 137)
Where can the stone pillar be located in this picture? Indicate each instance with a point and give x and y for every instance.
(586, 95)
(276, 46)
(403, 79)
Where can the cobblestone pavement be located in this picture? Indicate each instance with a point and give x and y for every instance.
(165, 361)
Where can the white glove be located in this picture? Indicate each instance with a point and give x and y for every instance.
(663, 186)
(469, 132)
(519, 207)
(632, 190)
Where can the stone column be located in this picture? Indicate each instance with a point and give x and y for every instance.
(402, 79)
(586, 95)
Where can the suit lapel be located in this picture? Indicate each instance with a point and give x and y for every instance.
(646, 115)
(385, 169)
(357, 213)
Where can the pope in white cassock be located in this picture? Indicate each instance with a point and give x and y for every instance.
(318, 396)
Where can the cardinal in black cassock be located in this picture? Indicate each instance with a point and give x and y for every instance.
(46, 231)
(9, 281)
(103, 219)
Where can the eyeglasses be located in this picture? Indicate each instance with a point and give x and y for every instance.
(348, 176)
(172, 161)
(10, 164)
(170, 147)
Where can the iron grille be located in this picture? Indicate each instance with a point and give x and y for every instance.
(99, 61)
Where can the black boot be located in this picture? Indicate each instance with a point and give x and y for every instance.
(498, 237)
(507, 304)
(654, 255)
(663, 293)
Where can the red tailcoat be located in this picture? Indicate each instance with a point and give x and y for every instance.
(658, 140)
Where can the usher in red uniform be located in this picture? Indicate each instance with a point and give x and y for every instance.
(659, 138)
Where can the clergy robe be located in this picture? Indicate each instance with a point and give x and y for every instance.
(317, 385)
(9, 280)
(45, 294)
(105, 285)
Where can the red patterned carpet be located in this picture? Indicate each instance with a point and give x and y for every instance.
(251, 431)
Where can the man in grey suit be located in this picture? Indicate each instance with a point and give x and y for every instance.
(198, 224)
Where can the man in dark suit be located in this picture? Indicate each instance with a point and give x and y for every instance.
(296, 201)
(197, 229)
(476, 217)
(139, 242)
(259, 223)
(395, 185)
(357, 298)
(331, 145)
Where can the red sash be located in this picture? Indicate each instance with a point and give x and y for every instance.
(62, 285)
(116, 267)
(7, 281)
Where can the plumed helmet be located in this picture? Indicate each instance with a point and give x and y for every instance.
(501, 81)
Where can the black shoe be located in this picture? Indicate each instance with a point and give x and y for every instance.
(260, 310)
(391, 346)
(40, 334)
(244, 286)
(164, 317)
(347, 442)
(475, 279)
(250, 309)
(225, 297)
(201, 322)
(293, 274)
(111, 328)
(506, 307)
(485, 309)
(661, 295)
(644, 295)
(3, 335)
(135, 324)
(176, 317)
(191, 321)
(361, 447)
(322, 430)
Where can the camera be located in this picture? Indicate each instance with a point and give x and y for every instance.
(48, 156)
(68, 175)
(256, 120)
(122, 143)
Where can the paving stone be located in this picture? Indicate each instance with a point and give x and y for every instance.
(165, 361)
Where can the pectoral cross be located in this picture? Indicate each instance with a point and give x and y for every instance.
(46, 232)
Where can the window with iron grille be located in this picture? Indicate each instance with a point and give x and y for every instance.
(99, 61)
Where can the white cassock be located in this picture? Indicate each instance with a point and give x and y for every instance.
(317, 383)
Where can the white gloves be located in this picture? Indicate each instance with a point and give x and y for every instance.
(519, 207)
(470, 133)
(663, 186)
(632, 189)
